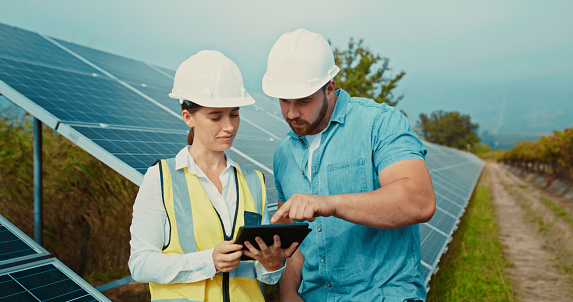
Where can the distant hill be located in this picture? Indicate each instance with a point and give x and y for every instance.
(506, 141)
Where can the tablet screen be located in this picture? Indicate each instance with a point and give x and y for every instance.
(288, 233)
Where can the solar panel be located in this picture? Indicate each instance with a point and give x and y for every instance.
(118, 110)
(69, 96)
(45, 280)
(454, 176)
(16, 247)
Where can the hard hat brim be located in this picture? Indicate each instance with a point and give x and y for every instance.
(295, 91)
(218, 103)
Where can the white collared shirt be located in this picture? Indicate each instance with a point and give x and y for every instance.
(150, 230)
(225, 203)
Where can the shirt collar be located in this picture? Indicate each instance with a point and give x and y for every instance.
(339, 113)
(184, 159)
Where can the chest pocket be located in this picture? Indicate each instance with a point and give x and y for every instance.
(347, 177)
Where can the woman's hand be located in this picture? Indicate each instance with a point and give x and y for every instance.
(273, 257)
(227, 256)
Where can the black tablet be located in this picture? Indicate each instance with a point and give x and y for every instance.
(288, 233)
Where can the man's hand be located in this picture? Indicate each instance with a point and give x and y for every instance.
(227, 256)
(301, 207)
(272, 258)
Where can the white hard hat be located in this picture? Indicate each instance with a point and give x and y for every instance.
(299, 64)
(210, 79)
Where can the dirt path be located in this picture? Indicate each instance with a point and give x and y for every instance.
(537, 243)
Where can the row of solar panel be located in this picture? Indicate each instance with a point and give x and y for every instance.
(454, 176)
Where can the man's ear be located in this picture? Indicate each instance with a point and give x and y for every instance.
(330, 88)
(188, 118)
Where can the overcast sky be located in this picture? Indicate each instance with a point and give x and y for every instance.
(509, 64)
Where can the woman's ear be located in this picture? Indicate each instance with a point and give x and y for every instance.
(188, 118)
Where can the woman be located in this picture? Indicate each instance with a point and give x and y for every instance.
(190, 207)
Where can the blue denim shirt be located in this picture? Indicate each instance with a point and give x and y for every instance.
(346, 261)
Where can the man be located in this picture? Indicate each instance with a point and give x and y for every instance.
(355, 170)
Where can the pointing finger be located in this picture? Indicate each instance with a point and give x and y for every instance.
(282, 211)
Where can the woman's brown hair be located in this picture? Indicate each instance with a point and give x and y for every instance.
(192, 108)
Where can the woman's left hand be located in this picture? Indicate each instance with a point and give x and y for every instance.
(271, 257)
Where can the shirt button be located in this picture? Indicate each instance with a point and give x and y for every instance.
(322, 260)
(319, 229)
(307, 146)
(328, 284)
(302, 172)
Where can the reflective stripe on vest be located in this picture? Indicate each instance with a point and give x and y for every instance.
(186, 215)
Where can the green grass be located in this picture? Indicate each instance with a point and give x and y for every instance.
(473, 269)
(558, 210)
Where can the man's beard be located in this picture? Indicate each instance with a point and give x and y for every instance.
(307, 128)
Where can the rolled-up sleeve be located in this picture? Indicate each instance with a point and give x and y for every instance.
(393, 140)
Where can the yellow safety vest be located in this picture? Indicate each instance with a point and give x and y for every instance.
(196, 226)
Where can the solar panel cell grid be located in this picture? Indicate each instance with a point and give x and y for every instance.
(11, 246)
(443, 221)
(16, 247)
(31, 47)
(453, 186)
(161, 95)
(44, 282)
(447, 205)
(99, 100)
(432, 247)
(137, 148)
(278, 128)
(128, 70)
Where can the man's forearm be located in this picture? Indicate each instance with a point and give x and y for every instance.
(291, 277)
(405, 197)
(396, 205)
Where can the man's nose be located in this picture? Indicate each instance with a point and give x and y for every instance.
(293, 112)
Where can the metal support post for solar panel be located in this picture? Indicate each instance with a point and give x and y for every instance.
(38, 181)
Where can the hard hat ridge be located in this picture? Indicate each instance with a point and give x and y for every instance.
(210, 79)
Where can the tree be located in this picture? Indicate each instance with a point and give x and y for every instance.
(448, 128)
(362, 74)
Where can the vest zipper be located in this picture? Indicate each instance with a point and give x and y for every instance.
(225, 288)
(226, 291)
